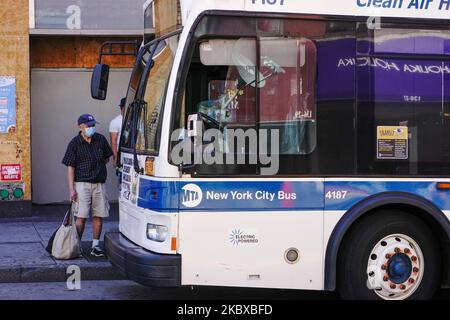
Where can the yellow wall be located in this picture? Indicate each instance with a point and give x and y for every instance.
(14, 61)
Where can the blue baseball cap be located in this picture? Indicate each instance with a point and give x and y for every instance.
(87, 119)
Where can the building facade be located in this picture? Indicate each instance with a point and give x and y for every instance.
(49, 50)
(15, 133)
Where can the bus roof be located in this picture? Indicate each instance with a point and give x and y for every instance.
(419, 9)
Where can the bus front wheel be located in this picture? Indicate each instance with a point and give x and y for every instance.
(390, 255)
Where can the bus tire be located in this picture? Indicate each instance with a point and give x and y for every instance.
(390, 255)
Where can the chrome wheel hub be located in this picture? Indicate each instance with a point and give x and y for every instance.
(395, 267)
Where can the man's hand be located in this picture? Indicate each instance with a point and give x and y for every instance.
(73, 196)
(71, 180)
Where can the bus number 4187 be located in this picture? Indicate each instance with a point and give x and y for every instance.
(336, 195)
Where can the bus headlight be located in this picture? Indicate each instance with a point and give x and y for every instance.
(157, 233)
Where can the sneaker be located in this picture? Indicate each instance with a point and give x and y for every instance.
(97, 252)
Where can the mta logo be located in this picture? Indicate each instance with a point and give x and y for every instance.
(191, 196)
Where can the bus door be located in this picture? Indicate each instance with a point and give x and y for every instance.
(141, 135)
(147, 182)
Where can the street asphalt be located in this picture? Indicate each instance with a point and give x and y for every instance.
(128, 290)
(28, 272)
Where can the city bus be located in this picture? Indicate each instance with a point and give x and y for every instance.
(288, 144)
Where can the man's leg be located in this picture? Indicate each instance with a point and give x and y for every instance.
(97, 225)
(100, 210)
(82, 206)
(81, 224)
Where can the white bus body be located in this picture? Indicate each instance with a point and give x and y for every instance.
(189, 228)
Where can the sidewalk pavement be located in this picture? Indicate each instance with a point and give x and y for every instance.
(23, 257)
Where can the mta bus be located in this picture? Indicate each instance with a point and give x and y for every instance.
(288, 144)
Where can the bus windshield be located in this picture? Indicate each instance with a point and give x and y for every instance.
(148, 85)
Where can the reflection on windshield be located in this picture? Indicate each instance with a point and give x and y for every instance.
(154, 94)
(162, 53)
(263, 86)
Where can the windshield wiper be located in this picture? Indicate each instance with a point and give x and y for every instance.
(137, 107)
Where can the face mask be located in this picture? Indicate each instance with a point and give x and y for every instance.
(89, 132)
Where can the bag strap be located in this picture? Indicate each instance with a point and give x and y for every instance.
(69, 216)
(66, 218)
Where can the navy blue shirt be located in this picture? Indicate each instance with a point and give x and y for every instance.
(88, 159)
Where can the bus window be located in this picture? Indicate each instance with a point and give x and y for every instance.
(312, 100)
(231, 101)
(221, 84)
(408, 41)
(154, 95)
(288, 96)
(401, 88)
(136, 76)
(291, 75)
(446, 114)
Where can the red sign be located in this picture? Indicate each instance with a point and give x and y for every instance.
(11, 172)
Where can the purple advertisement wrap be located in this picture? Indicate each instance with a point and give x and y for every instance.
(408, 80)
(419, 44)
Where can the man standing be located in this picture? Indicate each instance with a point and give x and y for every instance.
(115, 128)
(86, 158)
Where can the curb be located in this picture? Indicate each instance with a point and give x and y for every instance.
(58, 273)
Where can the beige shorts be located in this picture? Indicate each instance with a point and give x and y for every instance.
(91, 196)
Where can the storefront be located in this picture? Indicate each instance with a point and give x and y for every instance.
(66, 36)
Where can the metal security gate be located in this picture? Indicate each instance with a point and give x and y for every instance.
(58, 97)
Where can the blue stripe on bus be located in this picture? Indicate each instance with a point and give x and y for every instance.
(355, 191)
(266, 195)
(254, 195)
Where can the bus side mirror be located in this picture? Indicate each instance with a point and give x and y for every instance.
(99, 82)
